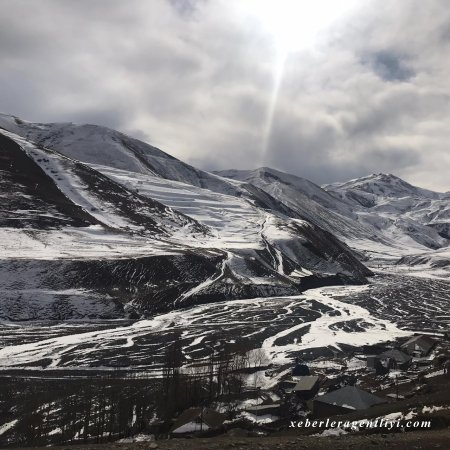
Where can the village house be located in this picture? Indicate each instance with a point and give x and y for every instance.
(306, 387)
(197, 420)
(373, 362)
(395, 360)
(343, 401)
(419, 346)
(272, 409)
(287, 386)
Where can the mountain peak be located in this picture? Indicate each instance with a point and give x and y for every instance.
(371, 189)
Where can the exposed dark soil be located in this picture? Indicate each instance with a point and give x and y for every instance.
(35, 199)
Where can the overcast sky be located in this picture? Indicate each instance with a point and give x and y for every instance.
(325, 94)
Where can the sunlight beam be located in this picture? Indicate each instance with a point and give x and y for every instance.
(294, 25)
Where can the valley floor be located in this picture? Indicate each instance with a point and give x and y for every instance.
(391, 306)
(45, 366)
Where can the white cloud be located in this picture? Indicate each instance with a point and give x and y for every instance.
(196, 78)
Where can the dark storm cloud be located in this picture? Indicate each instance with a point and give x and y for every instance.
(390, 156)
(389, 66)
(196, 78)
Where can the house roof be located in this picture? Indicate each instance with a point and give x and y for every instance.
(423, 341)
(263, 407)
(306, 383)
(212, 418)
(350, 397)
(292, 383)
(398, 355)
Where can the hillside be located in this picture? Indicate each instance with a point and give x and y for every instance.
(377, 214)
(96, 241)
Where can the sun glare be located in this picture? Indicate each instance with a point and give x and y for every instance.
(296, 24)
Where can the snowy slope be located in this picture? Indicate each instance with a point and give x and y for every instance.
(233, 221)
(102, 146)
(29, 197)
(237, 224)
(106, 202)
(377, 187)
(121, 243)
(310, 201)
(399, 210)
(265, 176)
(378, 210)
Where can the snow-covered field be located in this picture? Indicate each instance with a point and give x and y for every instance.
(344, 323)
(78, 243)
(285, 327)
(236, 223)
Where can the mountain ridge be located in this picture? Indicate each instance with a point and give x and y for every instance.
(383, 207)
(148, 244)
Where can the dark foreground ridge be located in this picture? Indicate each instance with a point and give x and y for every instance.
(395, 441)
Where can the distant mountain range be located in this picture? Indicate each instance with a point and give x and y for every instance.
(95, 224)
(379, 207)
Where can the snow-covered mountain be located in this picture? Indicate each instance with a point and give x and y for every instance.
(371, 190)
(103, 146)
(398, 209)
(378, 209)
(308, 200)
(80, 190)
(96, 224)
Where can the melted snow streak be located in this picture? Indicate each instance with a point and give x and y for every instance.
(314, 323)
